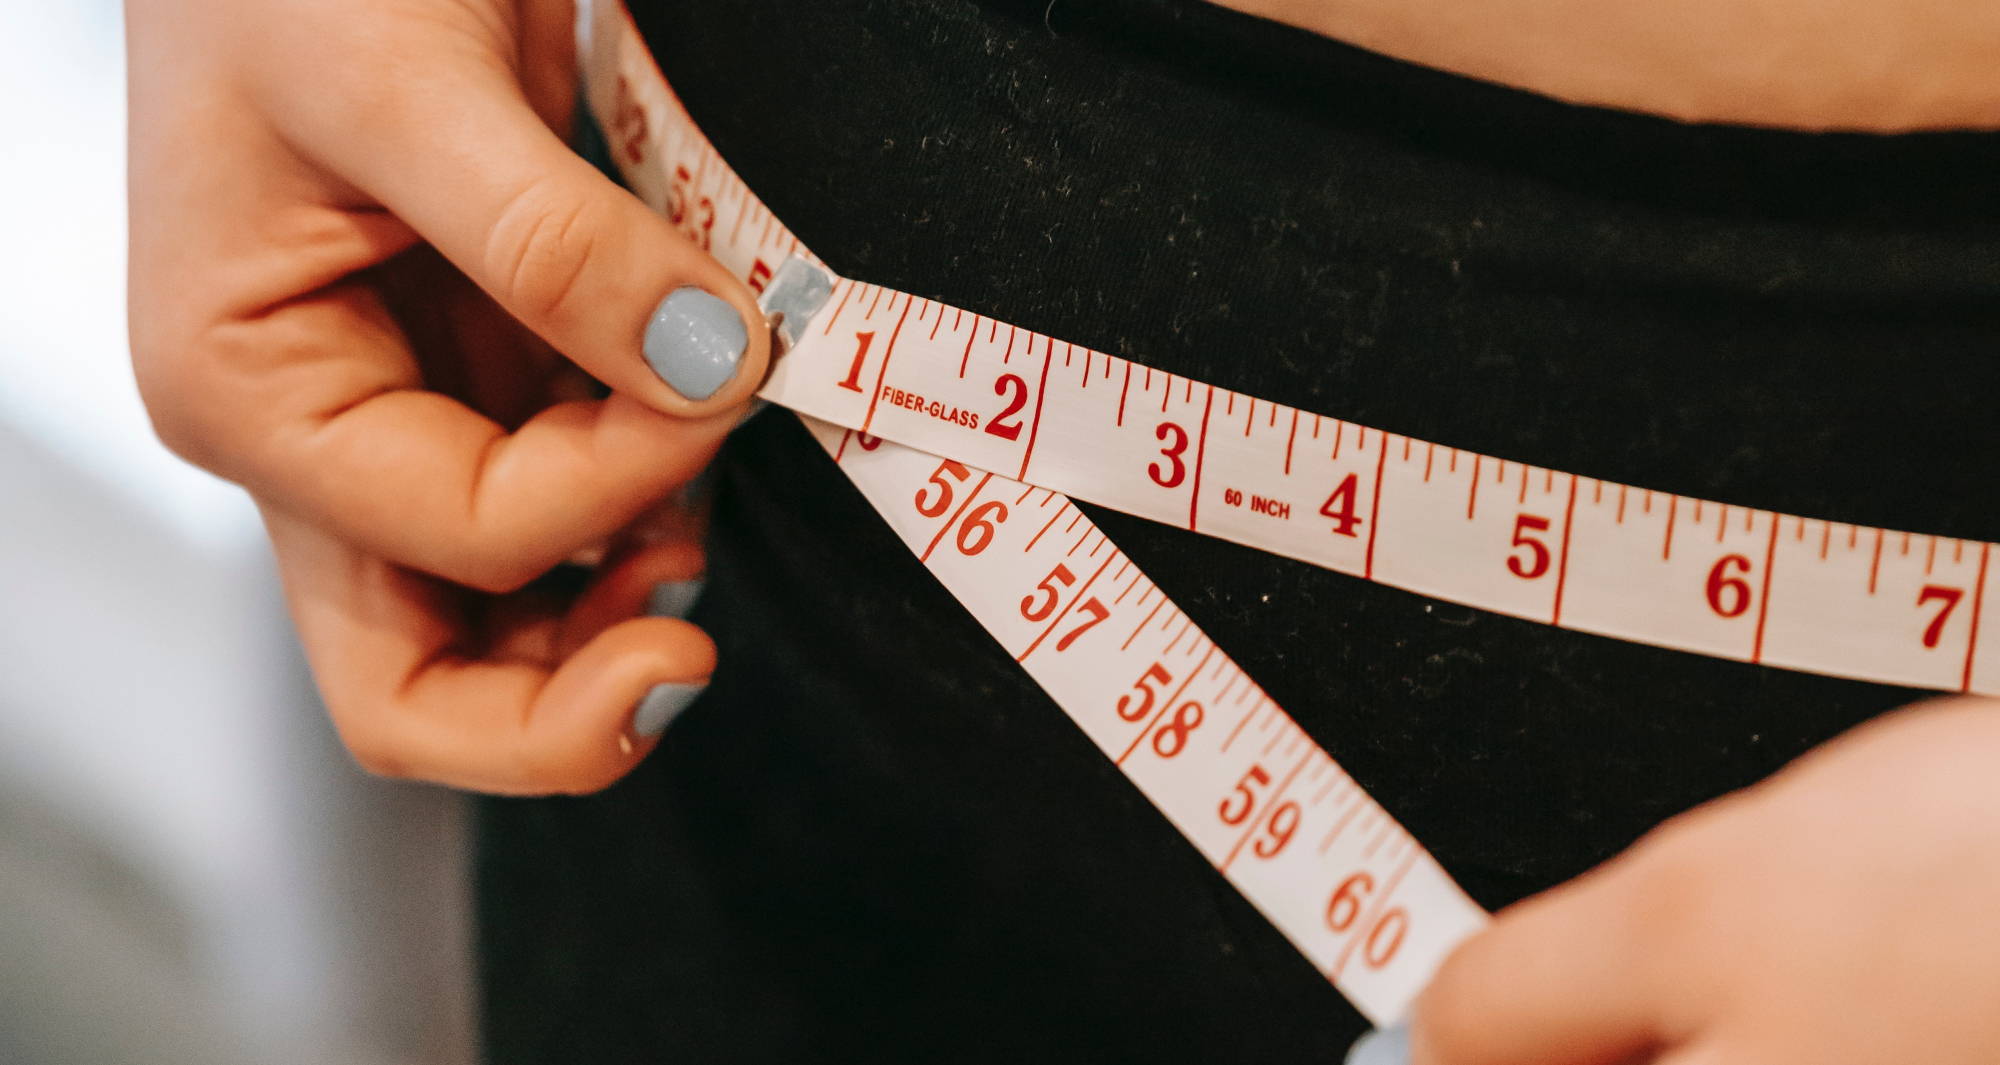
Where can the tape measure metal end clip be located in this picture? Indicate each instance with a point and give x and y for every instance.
(796, 293)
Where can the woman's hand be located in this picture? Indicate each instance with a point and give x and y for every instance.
(1845, 912)
(371, 284)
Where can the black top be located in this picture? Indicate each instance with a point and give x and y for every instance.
(875, 840)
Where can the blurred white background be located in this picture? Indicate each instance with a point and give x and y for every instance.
(190, 868)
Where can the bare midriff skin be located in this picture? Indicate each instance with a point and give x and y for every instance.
(1886, 66)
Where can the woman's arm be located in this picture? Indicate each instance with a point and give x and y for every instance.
(1891, 66)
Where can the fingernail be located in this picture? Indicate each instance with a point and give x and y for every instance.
(661, 705)
(674, 599)
(1383, 1046)
(694, 341)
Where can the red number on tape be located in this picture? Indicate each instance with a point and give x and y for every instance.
(1234, 813)
(1344, 905)
(976, 531)
(1177, 472)
(677, 195)
(1000, 426)
(1340, 507)
(853, 381)
(1537, 561)
(630, 124)
(1950, 598)
(702, 232)
(1035, 610)
(1278, 829)
(1172, 738)
(1729, 595)
(1137, 711)
(946, 473)
(1097, 611)
(1385, 938)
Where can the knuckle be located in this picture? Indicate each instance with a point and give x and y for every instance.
(592, 778)
(491, 568)
(375, 750)
(539, 247)
(181, 435)
(173, 408)
(374, 91)
(504, 542)
(567, 768)
(488, 552)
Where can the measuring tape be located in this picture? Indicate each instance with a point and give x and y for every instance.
(968, 435)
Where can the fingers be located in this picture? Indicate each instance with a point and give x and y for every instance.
(450, 143)
(1711, 1052)
(338, 432)
(414, 693)
(661, 580)
(1556, 980)
(266, 353)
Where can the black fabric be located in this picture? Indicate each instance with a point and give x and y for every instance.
(873, 839)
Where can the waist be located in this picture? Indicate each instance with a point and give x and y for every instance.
(1734, 314)
(1808, 64)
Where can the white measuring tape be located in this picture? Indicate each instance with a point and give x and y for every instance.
(917, 401)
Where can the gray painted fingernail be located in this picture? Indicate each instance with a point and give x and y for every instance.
(694, 341)
(1383, 1046)
(674, 599)
(661, 705)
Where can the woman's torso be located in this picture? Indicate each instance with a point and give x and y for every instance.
(873, 836)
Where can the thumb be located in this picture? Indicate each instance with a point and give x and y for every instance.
(429, 119)
(1556, 980)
